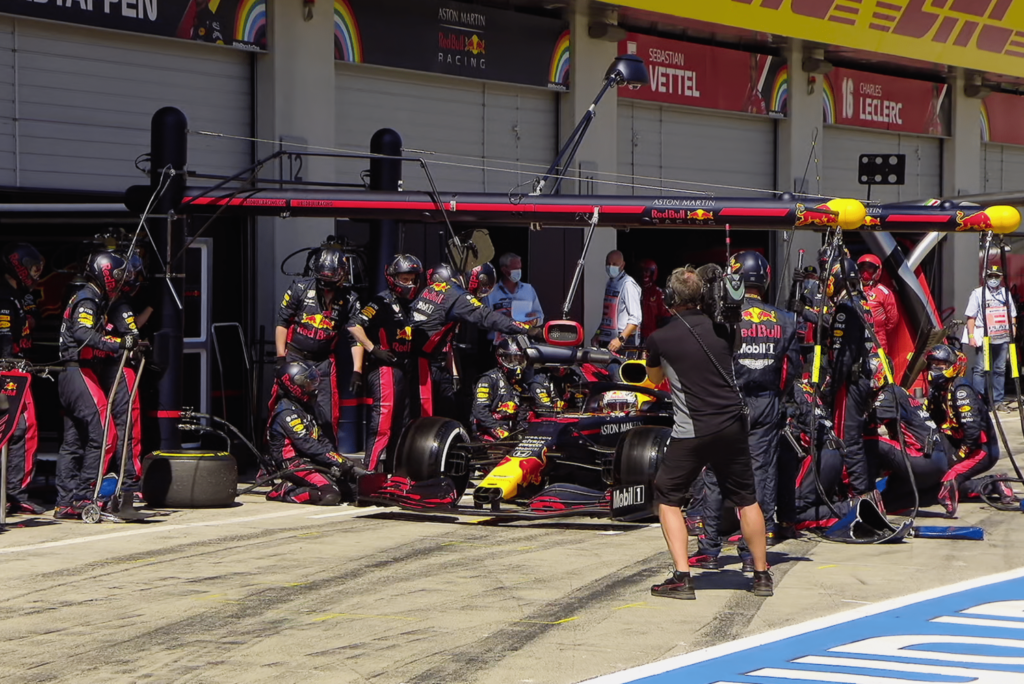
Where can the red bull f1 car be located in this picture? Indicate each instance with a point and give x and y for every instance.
(594, 453)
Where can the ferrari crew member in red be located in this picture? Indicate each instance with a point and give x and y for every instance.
(22, 265)
(384, 328)
(312, 317)
(83, 339)
(652, 299)
(297, 445)
(881, 300)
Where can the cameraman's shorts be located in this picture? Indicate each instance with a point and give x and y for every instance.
(726, 453)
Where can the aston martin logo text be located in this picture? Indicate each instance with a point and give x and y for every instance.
(631, 496)
(616, 428)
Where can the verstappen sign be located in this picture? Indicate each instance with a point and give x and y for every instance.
(856, 98)
(702, 76)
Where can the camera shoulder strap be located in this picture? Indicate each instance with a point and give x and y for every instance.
(721, 371)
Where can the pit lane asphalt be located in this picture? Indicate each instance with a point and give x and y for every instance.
(268, 592)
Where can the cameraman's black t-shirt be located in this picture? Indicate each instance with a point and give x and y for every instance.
(702, 401)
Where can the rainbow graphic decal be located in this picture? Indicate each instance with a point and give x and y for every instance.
(559, 76)
(251, 22)
(348, 44)
(984, 123)
(828, 100)
(780, 91)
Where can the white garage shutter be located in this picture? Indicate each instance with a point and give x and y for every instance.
(842, 150)
(1002, 167)
(658, 145)
(80, 112)
(458, 125)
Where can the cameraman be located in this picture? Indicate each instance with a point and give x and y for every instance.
(710, 429)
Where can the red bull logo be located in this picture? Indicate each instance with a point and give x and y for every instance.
(532, 468)
(820, 215)
(872, 221)
(441, 287)
(700, 215)
(404, 333)
(508, 407)
(318, 321)
(475, 46)
(10, 388)
(757, 315)
(978, 221)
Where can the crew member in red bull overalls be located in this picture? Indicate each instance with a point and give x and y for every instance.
(926, 448)
(297, 444)
(436, 315)
(962, 414)
(652, 300)
(765, 364)
(83, 338)
(310, 322)
(623, 311)
(22, 266)
(881, 300)
(1001, 313)
(384, 328)
(856, 371)
(498, 398)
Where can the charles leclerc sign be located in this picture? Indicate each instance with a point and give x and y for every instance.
(858, 98)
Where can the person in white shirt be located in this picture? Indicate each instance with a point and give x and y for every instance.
(512, 297)
(622, 315)
(998, 324)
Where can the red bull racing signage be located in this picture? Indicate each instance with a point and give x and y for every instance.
(710, 77)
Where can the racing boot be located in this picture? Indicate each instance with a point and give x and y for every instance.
(72, 512)
(705, 562)
(25, 507)
(949, 497)
(678, 586)
(763, 584)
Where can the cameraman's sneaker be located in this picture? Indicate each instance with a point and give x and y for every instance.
(678, 586)
(763, 584)
(705, 562)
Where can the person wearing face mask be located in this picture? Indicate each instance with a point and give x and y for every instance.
(512, 297)
(998, 325)
(622, 315)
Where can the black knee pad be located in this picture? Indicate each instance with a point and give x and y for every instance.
(328, 495)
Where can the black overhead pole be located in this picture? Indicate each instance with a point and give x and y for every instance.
(168, 161)
(384, 175)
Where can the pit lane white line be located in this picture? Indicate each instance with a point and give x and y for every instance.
(663, 666)
(164, 528)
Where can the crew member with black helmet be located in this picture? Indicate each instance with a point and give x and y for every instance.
(881, 300)
(311, 319)
(22, 266)
(297, 443)
(765, 364)
(384, 328)
(83, 341)
(498, 398)
(961, 412)
(857, 371)
(436, 315)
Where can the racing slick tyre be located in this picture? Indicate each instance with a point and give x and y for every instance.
(425, 452)
(189, 479)
(636, 463)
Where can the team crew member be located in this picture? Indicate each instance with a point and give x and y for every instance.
(925, 448)
(384, 328)
(708, 430)
(22, 266)
(652, 300)
(1000, 312)
(83, 339)
(512, 297)
(620, 321)
(436, 315)
(296, 443)
(856, 371)
(881, 300)
(499, 393)
(960, 411)
(765, 365)
(312, 315)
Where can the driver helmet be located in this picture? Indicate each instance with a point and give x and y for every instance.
(404, 265)
(511, 357)
(482, 280)
(108, 271)
(329, 265)
(648, 272)
(870, 267)
(752, 268)
(945, 364)
(23, 263)
(618, 401)
(298, 380)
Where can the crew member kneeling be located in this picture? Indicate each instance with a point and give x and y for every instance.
(297, 446)
(709, 429)
(499, 393)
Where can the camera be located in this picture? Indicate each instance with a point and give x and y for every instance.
(722, 299)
